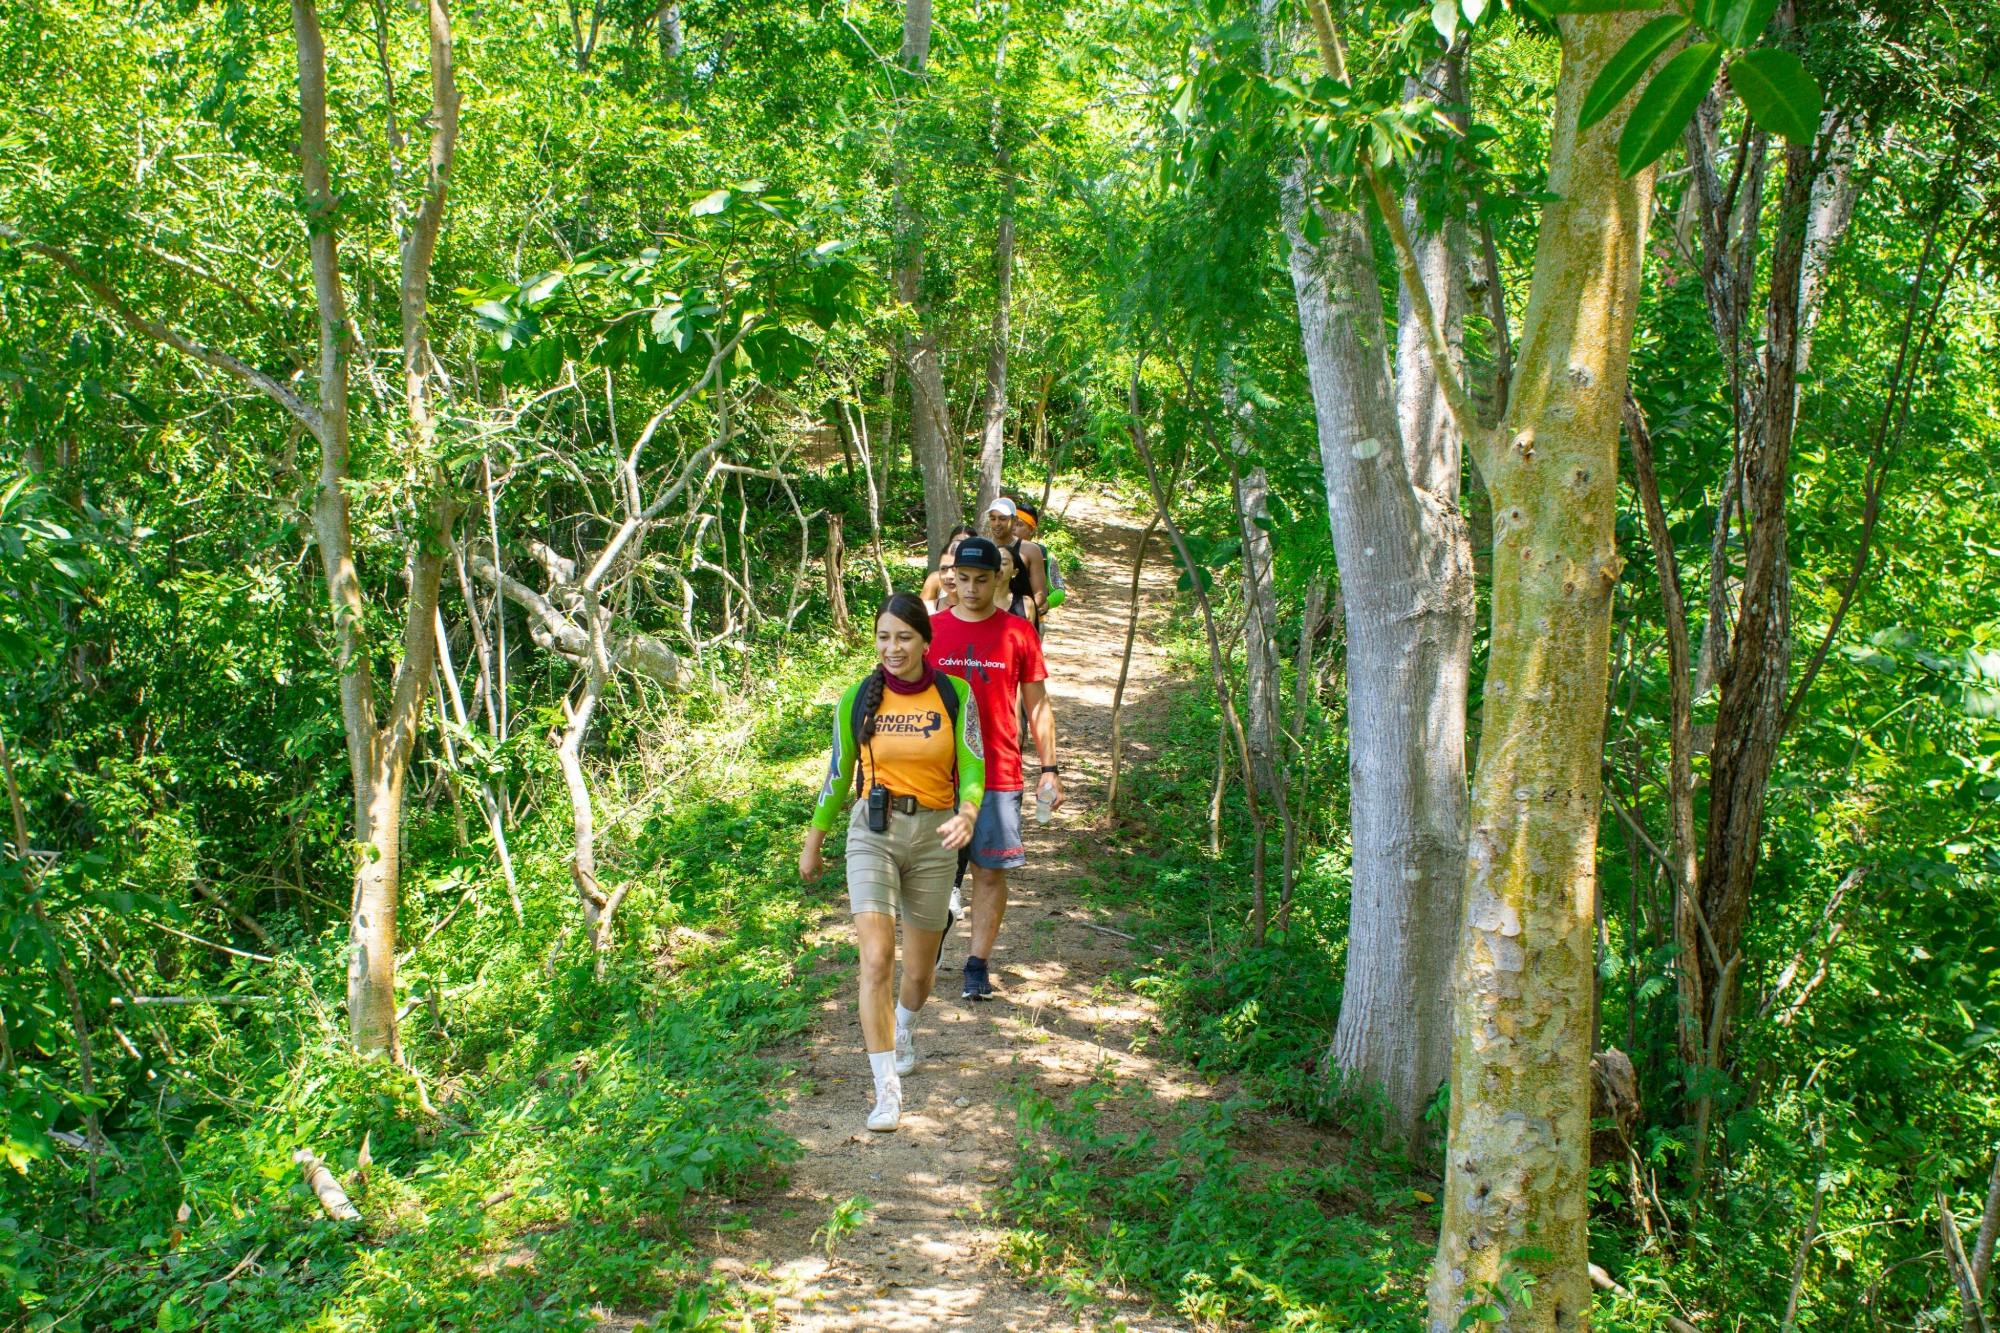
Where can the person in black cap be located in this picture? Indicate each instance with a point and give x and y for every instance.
(1000, 656)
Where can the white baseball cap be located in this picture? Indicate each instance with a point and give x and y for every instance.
(1002, 506)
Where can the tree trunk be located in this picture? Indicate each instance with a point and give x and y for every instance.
(836, 575)
(1405, 565)
(1232, 723)
(598, 906)
(1981, 1262)
(378, 757)
(1517, 1158)
(930, 424)
(1252, 492)
(859, 430)
(1125, 673)
(672, 40)
(1757, 673)
(992, 439)
(371, 957)
(1252, 489)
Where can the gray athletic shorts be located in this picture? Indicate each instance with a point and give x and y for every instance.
(907, 869)
(996, 838)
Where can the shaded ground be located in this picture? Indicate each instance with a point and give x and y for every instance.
(926, 1257)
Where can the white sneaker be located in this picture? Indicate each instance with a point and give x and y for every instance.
(906, 1051)
(888, 1110)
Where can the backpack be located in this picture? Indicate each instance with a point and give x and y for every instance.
(952, 703)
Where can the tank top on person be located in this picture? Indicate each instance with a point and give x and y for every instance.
(1023, 583)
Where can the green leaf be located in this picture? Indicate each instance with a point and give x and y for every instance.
(710, 204)
(1473, 9)
(1667, 105)
(1778, 92)
(1444, 17)
(1623, 71)
(1743, 20)
(1600, 6)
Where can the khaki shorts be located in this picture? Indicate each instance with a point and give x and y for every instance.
(907, 869)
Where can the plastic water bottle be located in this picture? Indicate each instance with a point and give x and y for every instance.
(1045, 809)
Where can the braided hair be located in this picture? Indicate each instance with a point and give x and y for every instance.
(911, 611)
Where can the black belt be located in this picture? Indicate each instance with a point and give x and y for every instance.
(909, 805)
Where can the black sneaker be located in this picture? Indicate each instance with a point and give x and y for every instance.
(977, 987)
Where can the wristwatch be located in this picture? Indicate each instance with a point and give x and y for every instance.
(1052, 768)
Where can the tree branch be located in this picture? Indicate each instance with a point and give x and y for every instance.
(1333, 55)
(268, 385)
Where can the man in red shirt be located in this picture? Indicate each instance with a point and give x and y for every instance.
(1000, 656)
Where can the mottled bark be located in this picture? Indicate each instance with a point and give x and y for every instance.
(1517, 1156)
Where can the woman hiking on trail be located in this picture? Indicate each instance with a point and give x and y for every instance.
(906, 739)
(940, 590)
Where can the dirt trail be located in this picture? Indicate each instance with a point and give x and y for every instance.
(926, 1257)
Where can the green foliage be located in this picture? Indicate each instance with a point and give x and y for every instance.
(581, 1127)
(1111, 1191)
(1666, 106)
(846, 1218)
(620, 211)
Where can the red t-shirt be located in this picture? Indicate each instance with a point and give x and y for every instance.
(996, 656)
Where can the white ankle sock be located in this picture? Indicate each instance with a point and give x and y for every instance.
(904, 1018)
(884, 1065)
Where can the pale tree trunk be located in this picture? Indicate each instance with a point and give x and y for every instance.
(371, 963)
(599, 906)
(857, 419)
(992, 438)
(378, 754)
(930, 424)
(1517, 1157)
(1252, 490)
(672, 40)
(1981, 1262)
(371, 975)
(1405, 564)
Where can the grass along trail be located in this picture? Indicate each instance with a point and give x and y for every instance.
(925, 1256)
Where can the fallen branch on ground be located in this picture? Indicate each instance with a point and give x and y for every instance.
(1603, 1281)
(325, 1188)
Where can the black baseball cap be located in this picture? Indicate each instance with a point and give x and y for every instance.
(978, 553)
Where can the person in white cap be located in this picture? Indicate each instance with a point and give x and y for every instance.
(1028, 589)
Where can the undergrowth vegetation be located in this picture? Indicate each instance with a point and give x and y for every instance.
(554, 1138)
